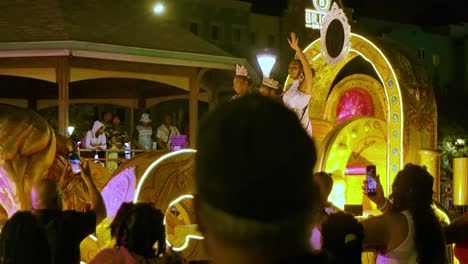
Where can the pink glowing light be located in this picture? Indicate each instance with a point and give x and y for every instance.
(120, 189)
(355, 170)
(7, 193)
(354, 102)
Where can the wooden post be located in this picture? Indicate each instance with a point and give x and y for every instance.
(62, 75)
(193, 105)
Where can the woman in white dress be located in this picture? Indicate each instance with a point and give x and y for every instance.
(297, 95)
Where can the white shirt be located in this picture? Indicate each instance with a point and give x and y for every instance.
(164, 133)
(406, 252)
(93, 142)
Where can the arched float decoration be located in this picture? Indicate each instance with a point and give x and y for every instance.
(167, 181)
(162, 178)
(326, 74)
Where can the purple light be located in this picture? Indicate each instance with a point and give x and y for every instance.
(121, 188)
(7, 193)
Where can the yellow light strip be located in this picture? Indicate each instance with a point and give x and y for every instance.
(317, 57)
(188, 237)
(388, 118)
(180, 198)
(154, 164)
(185, 245)
(397, 86)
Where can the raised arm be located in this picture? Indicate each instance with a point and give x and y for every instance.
(97, 203)
(308, 77)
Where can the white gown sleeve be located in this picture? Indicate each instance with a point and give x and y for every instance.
(295, 99)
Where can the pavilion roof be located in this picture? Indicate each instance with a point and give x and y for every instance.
(126, 23)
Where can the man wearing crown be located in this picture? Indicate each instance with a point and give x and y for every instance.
(242, 82)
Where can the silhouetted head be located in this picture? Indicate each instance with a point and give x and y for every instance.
(342, 236)
(412, 187)
(141, 229)
(119, 218)
(23, 241)
(253, 174)
(46, 195)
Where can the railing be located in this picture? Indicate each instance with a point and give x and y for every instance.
(129, 153)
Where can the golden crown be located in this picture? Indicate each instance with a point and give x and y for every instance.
(271, 83)
(241, 71)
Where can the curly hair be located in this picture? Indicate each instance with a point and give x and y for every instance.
(342, 236)
(412, 191)
(140, 228)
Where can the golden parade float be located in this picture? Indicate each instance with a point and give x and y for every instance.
(30, 151)
(372, 104)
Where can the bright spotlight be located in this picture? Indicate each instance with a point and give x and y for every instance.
(158, 8)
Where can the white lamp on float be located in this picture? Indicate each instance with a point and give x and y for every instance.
(266, 61)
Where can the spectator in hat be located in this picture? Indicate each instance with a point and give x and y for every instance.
(145, 132)
(254, 205)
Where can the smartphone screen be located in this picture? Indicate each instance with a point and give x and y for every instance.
(74, 161)
(371, 178)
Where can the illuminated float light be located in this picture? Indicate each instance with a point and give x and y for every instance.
(394, 83)
(120, 189)
(186, 243)
(180, 198)
(153, 165)
(394, 77)
(387, 98)
(266, 61)
(355, 170)
(93, 237)
(188, 237)
(317, 57)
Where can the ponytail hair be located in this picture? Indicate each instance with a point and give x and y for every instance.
(412, 191)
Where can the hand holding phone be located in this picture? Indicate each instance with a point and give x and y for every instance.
(371, 180)
(74, 161)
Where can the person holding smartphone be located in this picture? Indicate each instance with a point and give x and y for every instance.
(408, 231)
(66, 229)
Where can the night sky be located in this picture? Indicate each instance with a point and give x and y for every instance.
(420, 12)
